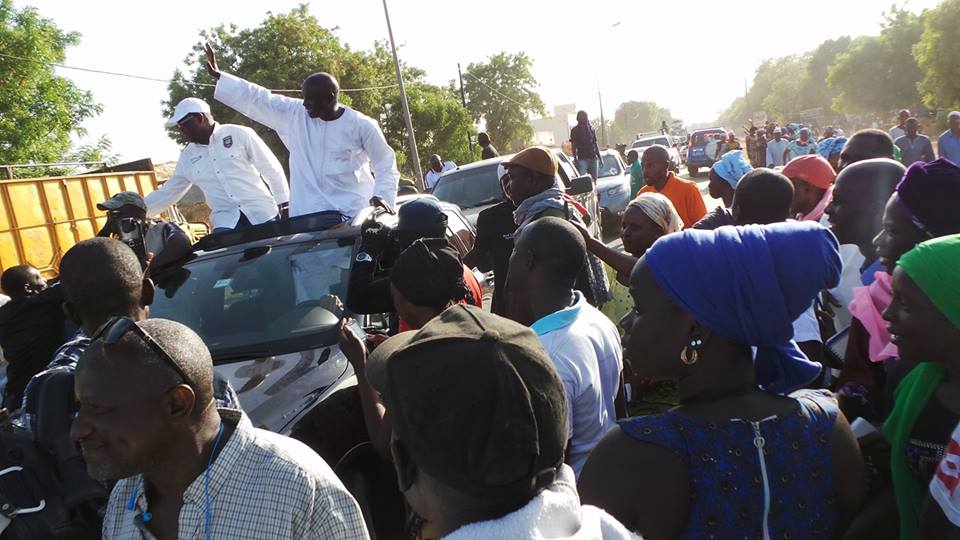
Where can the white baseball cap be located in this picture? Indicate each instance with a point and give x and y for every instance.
(777, 130)
(188, 106)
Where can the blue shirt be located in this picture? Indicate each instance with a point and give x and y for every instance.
(949, 146)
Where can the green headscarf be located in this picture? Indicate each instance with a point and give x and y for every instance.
(935, 267)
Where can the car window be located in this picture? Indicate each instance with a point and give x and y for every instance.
(459, 232)
(705, 137)
(650, 142)
(469, 188)
(260, 297)
(610, 166)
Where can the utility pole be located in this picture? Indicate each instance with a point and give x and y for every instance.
(603, 123)
(463, 98)
(414, 154)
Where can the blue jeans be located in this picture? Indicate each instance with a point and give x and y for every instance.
(588, 166)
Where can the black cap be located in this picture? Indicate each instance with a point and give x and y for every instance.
(469, 392)
(429, 273)
(421, 214)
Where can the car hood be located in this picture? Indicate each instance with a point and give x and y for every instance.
(276, 391)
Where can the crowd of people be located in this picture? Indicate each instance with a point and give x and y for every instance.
(811, 325)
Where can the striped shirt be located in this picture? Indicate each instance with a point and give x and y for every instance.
(262, 485)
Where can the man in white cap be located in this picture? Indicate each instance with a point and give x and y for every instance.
(776, 148)
(242, 181)
(949, 142)
(340, 161)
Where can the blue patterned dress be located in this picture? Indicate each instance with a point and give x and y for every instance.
(727, 488)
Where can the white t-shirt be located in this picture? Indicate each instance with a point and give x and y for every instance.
(806, 327)
(585, 348)
(433, 176)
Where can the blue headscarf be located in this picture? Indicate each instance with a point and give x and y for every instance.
(824, 147)
(749, 284)
(732, 166)
(836, 146)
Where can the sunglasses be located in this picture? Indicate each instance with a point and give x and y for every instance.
(113, 331)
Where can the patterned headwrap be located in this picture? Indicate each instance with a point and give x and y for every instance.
(929, 193)
(659, 209)
(732, 166)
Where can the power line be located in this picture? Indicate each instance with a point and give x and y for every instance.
(154, 79)
(508, 98)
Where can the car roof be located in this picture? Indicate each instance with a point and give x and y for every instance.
(709, 130)
(301, 229)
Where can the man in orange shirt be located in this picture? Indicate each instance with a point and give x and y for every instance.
(684, 194)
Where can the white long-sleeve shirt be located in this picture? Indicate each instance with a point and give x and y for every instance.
(330, 162)
(233, 171)
(433, 176)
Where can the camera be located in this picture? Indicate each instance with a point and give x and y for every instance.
(131, 232)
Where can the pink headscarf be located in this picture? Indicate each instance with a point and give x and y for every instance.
(819, 209)
(867, 307)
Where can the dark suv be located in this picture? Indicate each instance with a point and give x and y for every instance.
(268, 300)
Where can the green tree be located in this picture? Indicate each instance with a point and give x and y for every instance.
(938, 55)
(285, 48)
(502, 93)
(785, 98)
(878, 74)
(634, 117)
(39, 110)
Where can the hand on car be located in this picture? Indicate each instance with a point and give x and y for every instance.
(374, 238)
(352, 347)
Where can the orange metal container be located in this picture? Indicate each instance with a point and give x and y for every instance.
(41, 218)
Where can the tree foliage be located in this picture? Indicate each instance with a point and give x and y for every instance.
(502, 93)
(285, 48)
(938, 55)
(634, 117)
(39, 110)
(879, 73)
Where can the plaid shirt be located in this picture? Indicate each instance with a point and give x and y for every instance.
(262, 485)
(70, 352)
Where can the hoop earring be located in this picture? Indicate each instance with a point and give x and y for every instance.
(695, 343)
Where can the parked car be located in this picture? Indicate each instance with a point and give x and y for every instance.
(666, 141)
(702, 148)
(613, 186)
(475, 187)
(267, 301)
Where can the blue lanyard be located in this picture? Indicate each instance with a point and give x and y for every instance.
(147, 516)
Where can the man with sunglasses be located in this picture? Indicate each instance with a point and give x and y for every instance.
(241, 179)
(101, 279)
(186, 468)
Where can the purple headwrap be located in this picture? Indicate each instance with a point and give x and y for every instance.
(749, 284)
(929, 193)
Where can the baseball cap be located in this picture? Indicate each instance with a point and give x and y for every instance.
(535, 158)
(422, 214)
(123, 199)
(778, 130)
(812, 169)
(953, 114)
(469, 392)
(429, 273)
(187, 106)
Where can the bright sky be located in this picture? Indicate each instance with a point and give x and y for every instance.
(691, 56)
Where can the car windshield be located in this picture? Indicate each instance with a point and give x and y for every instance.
(610, 166)
(471, 187)
(650, 142)
(268, 299)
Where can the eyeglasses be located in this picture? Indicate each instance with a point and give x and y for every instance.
(113, 331)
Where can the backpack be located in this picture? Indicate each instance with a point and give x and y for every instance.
(45, 491)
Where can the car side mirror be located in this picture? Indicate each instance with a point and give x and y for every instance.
(580, 185)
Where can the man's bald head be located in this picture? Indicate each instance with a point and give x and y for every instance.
(21, 281)
(762, 196)
(866, 144)
(556, 244)
(320, 96)
(102, 278)
(656, 165)
(859, 197)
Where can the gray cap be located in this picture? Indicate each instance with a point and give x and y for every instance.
(123, 199)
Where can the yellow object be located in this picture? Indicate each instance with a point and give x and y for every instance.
(41, 218)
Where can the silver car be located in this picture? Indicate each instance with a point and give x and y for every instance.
(613, 185)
